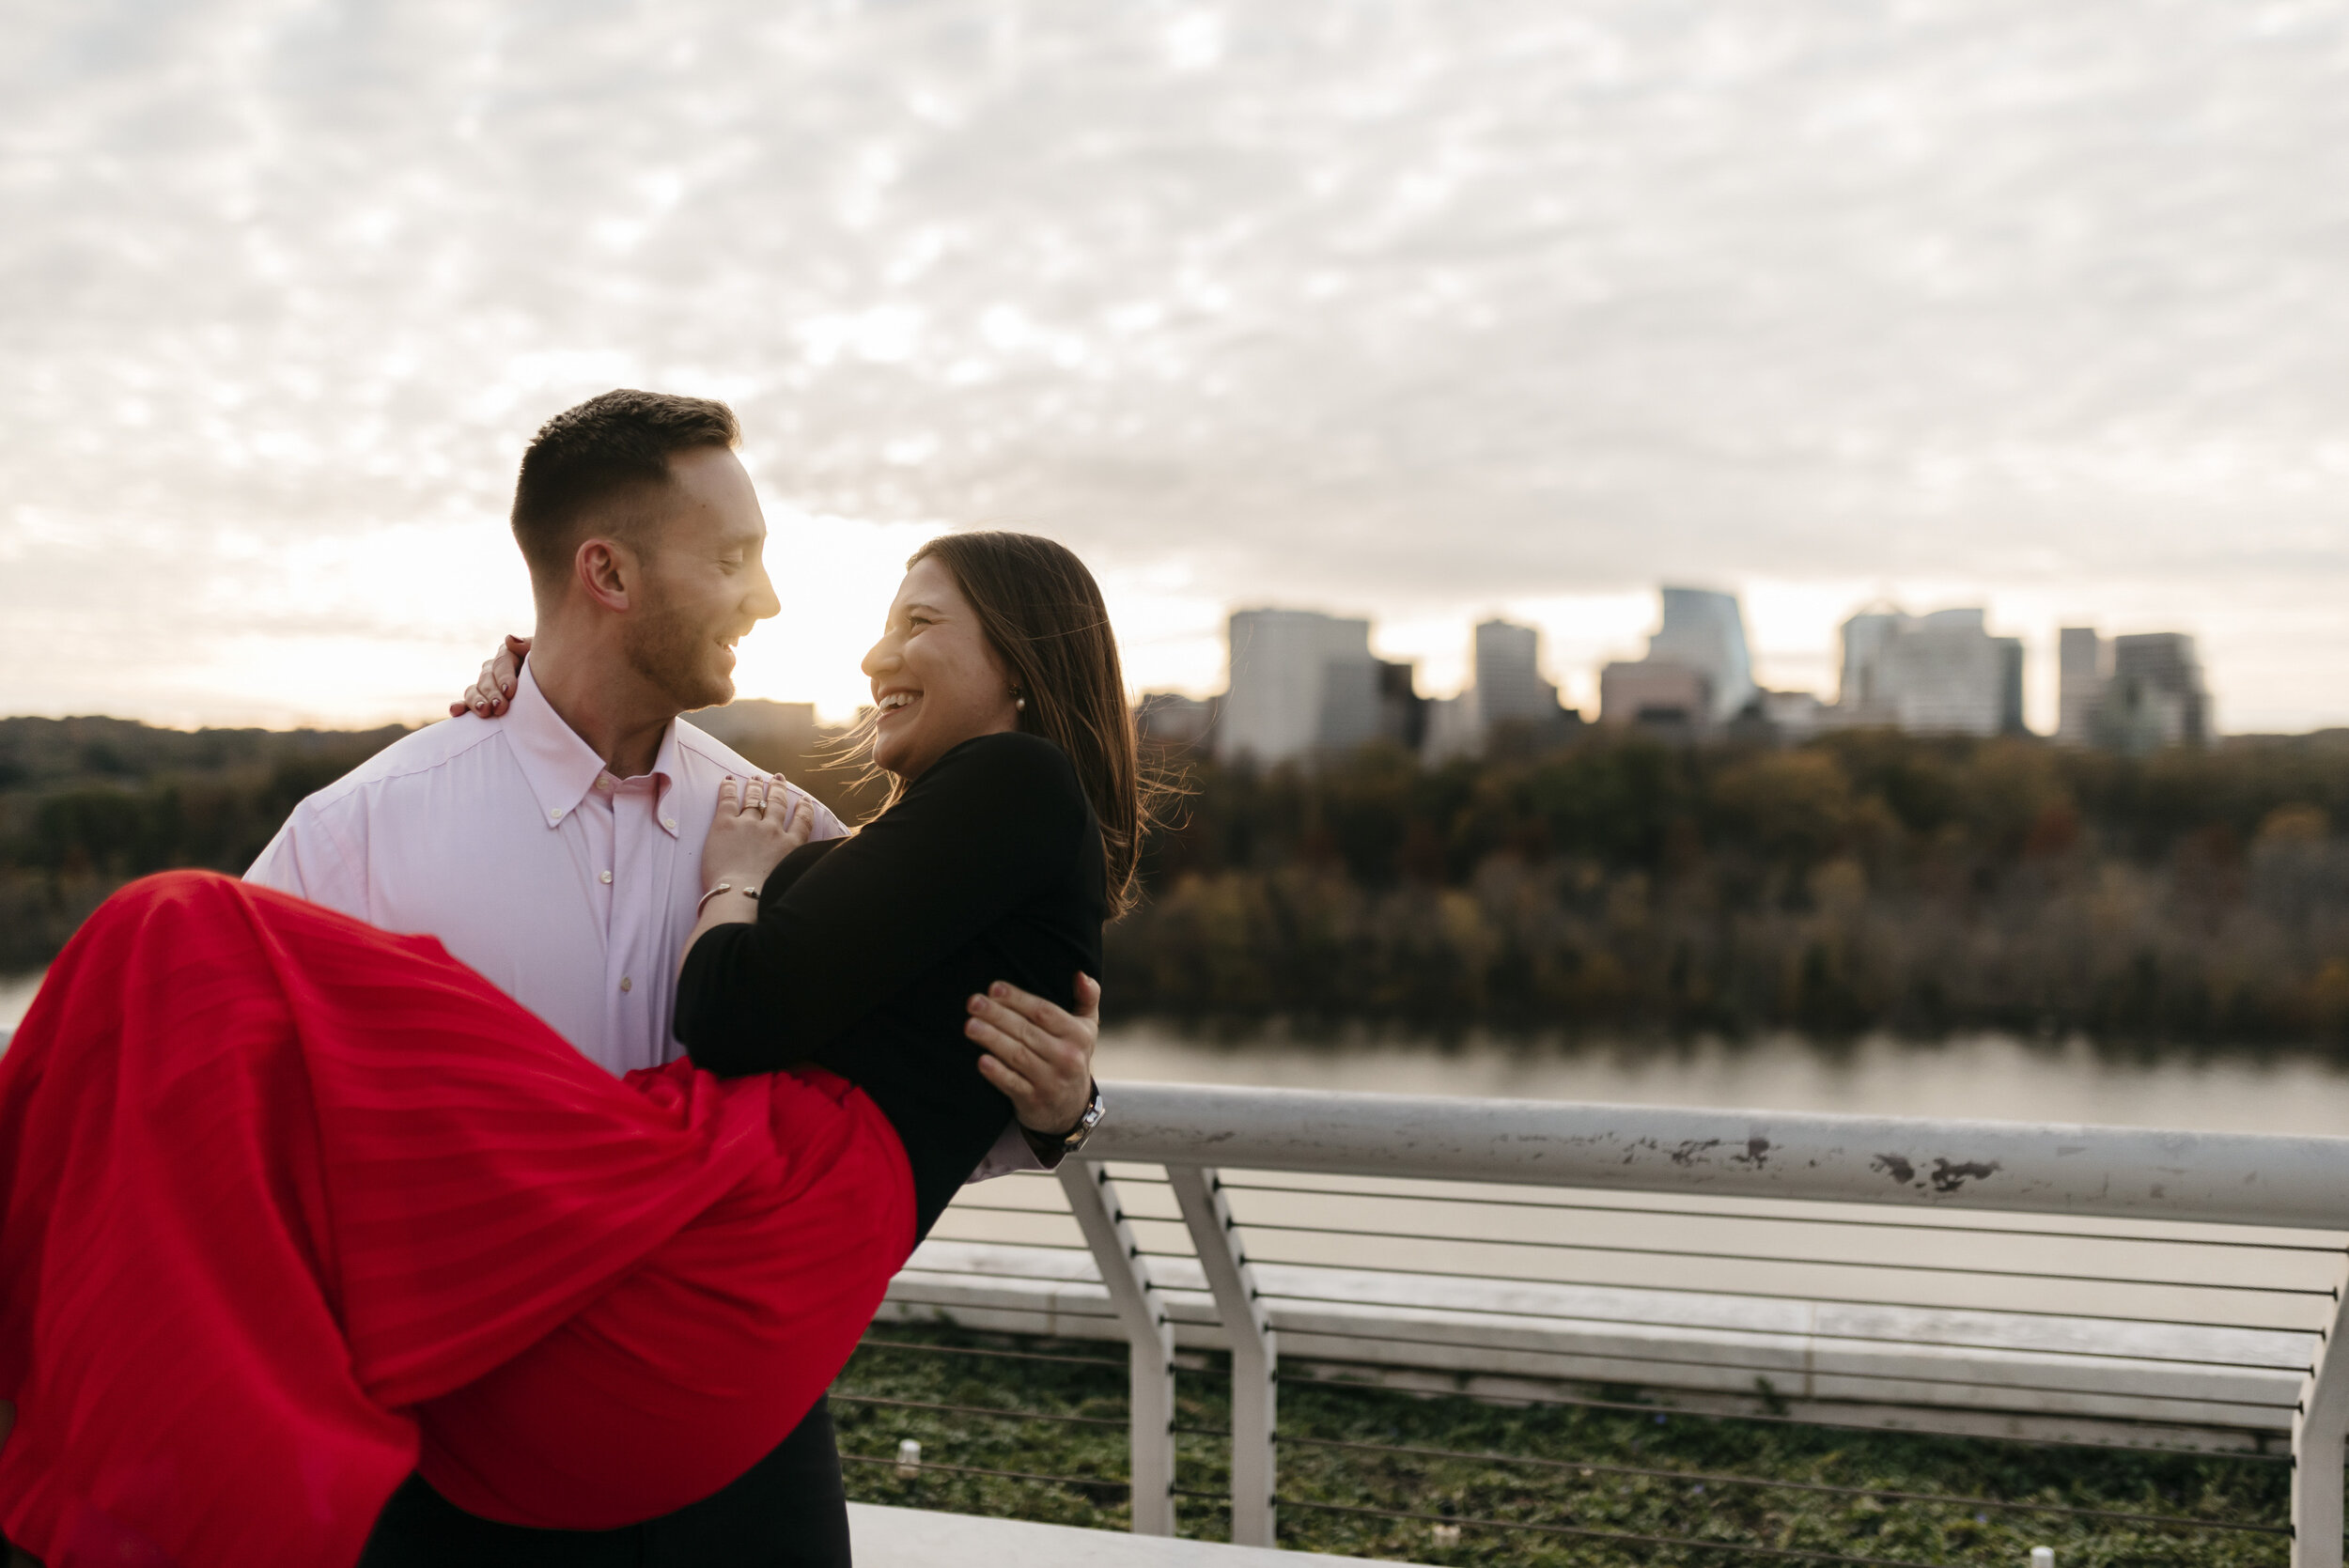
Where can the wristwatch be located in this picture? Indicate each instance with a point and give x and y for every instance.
(1052, 1148)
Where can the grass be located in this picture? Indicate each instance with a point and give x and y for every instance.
(1648, 1472)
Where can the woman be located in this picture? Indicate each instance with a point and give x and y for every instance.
(290, 1206)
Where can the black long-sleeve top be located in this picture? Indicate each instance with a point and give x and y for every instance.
(866, 949)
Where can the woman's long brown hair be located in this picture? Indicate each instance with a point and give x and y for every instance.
(1042, 613)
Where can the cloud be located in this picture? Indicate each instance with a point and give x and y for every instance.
(1421, 309)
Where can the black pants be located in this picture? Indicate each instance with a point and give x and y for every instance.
(787, 1510)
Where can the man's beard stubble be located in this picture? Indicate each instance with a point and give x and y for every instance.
(669, 648)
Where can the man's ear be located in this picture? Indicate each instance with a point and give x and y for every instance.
(609, 573)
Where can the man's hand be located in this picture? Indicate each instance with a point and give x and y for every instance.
(1038, 1055)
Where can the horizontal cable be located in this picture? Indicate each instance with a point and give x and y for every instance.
(982, 1410)
(980, 1469)
(893, 1299)
(1050, 1179)
(1765, 1369)
(870, 1343)
(998, 1278)
(1771, 1333)
(2183, 1521)
(1588, 1533)
(1231, 1186)
(1549, 1400)
(1763, 1257)
(1739, 1294)
(1797, 1334)
(1054, 1312)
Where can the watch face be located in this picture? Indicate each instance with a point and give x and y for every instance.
(1090, 1119)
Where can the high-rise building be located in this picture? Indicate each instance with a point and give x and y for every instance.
(1511, 703)
(1302, 682)
(2135, 694)
(2011, 686)
(2157, 691)
(1866, 636)
(1508, 698)
(1697, 673)
(1509, 683)
(2082, 668)
(1402, 712)
(1703, 630)
(1661, 696)
(1452, 729)
(1941, 673)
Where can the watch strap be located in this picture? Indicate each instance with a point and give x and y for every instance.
(1052, 1148)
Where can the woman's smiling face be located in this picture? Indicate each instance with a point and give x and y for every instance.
(936, 680)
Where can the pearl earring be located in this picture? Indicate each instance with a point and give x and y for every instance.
(1019, 703)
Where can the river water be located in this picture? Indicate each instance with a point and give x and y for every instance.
(1995, 1077)
(1990, 1076)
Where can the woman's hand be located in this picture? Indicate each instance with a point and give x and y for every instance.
(758, 823)
(491, 692)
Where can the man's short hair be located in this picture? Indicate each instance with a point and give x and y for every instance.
(584, 457)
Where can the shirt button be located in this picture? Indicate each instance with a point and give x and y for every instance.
(670, 823)
(607, 875)
(554, 817)
(626, 984)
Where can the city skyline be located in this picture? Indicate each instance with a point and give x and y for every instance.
(1305, 684)
(1413, 313)
(1580, 635)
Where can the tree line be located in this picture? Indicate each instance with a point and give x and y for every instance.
(1864, 880)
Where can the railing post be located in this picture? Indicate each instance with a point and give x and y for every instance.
(1255, 1352)
(1149, 1339)
(2318, 1427)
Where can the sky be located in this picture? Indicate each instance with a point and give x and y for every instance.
(1420, 309)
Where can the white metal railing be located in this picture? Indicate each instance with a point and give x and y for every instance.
(2185, 1296)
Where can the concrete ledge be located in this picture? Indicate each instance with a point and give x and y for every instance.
(917, 1537)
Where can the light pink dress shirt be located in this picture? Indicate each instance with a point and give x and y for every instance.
(569, 889)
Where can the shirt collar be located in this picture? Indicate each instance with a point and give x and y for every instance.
(561, 767)
(667, 768)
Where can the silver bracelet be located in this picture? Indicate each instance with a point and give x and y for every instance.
(750, 893)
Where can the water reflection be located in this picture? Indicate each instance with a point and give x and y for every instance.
(1998, 1077)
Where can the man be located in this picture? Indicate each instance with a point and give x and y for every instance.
(557, 850)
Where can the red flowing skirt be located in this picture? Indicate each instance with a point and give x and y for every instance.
(290, 1206)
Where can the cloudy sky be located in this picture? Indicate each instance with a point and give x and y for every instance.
(1422, 309)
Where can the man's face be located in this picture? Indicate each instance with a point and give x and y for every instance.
(705, 580)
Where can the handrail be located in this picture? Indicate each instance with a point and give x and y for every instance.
(2016, 1167)
(2290, 1182)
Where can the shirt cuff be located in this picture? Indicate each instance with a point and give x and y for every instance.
(1010, 1154)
